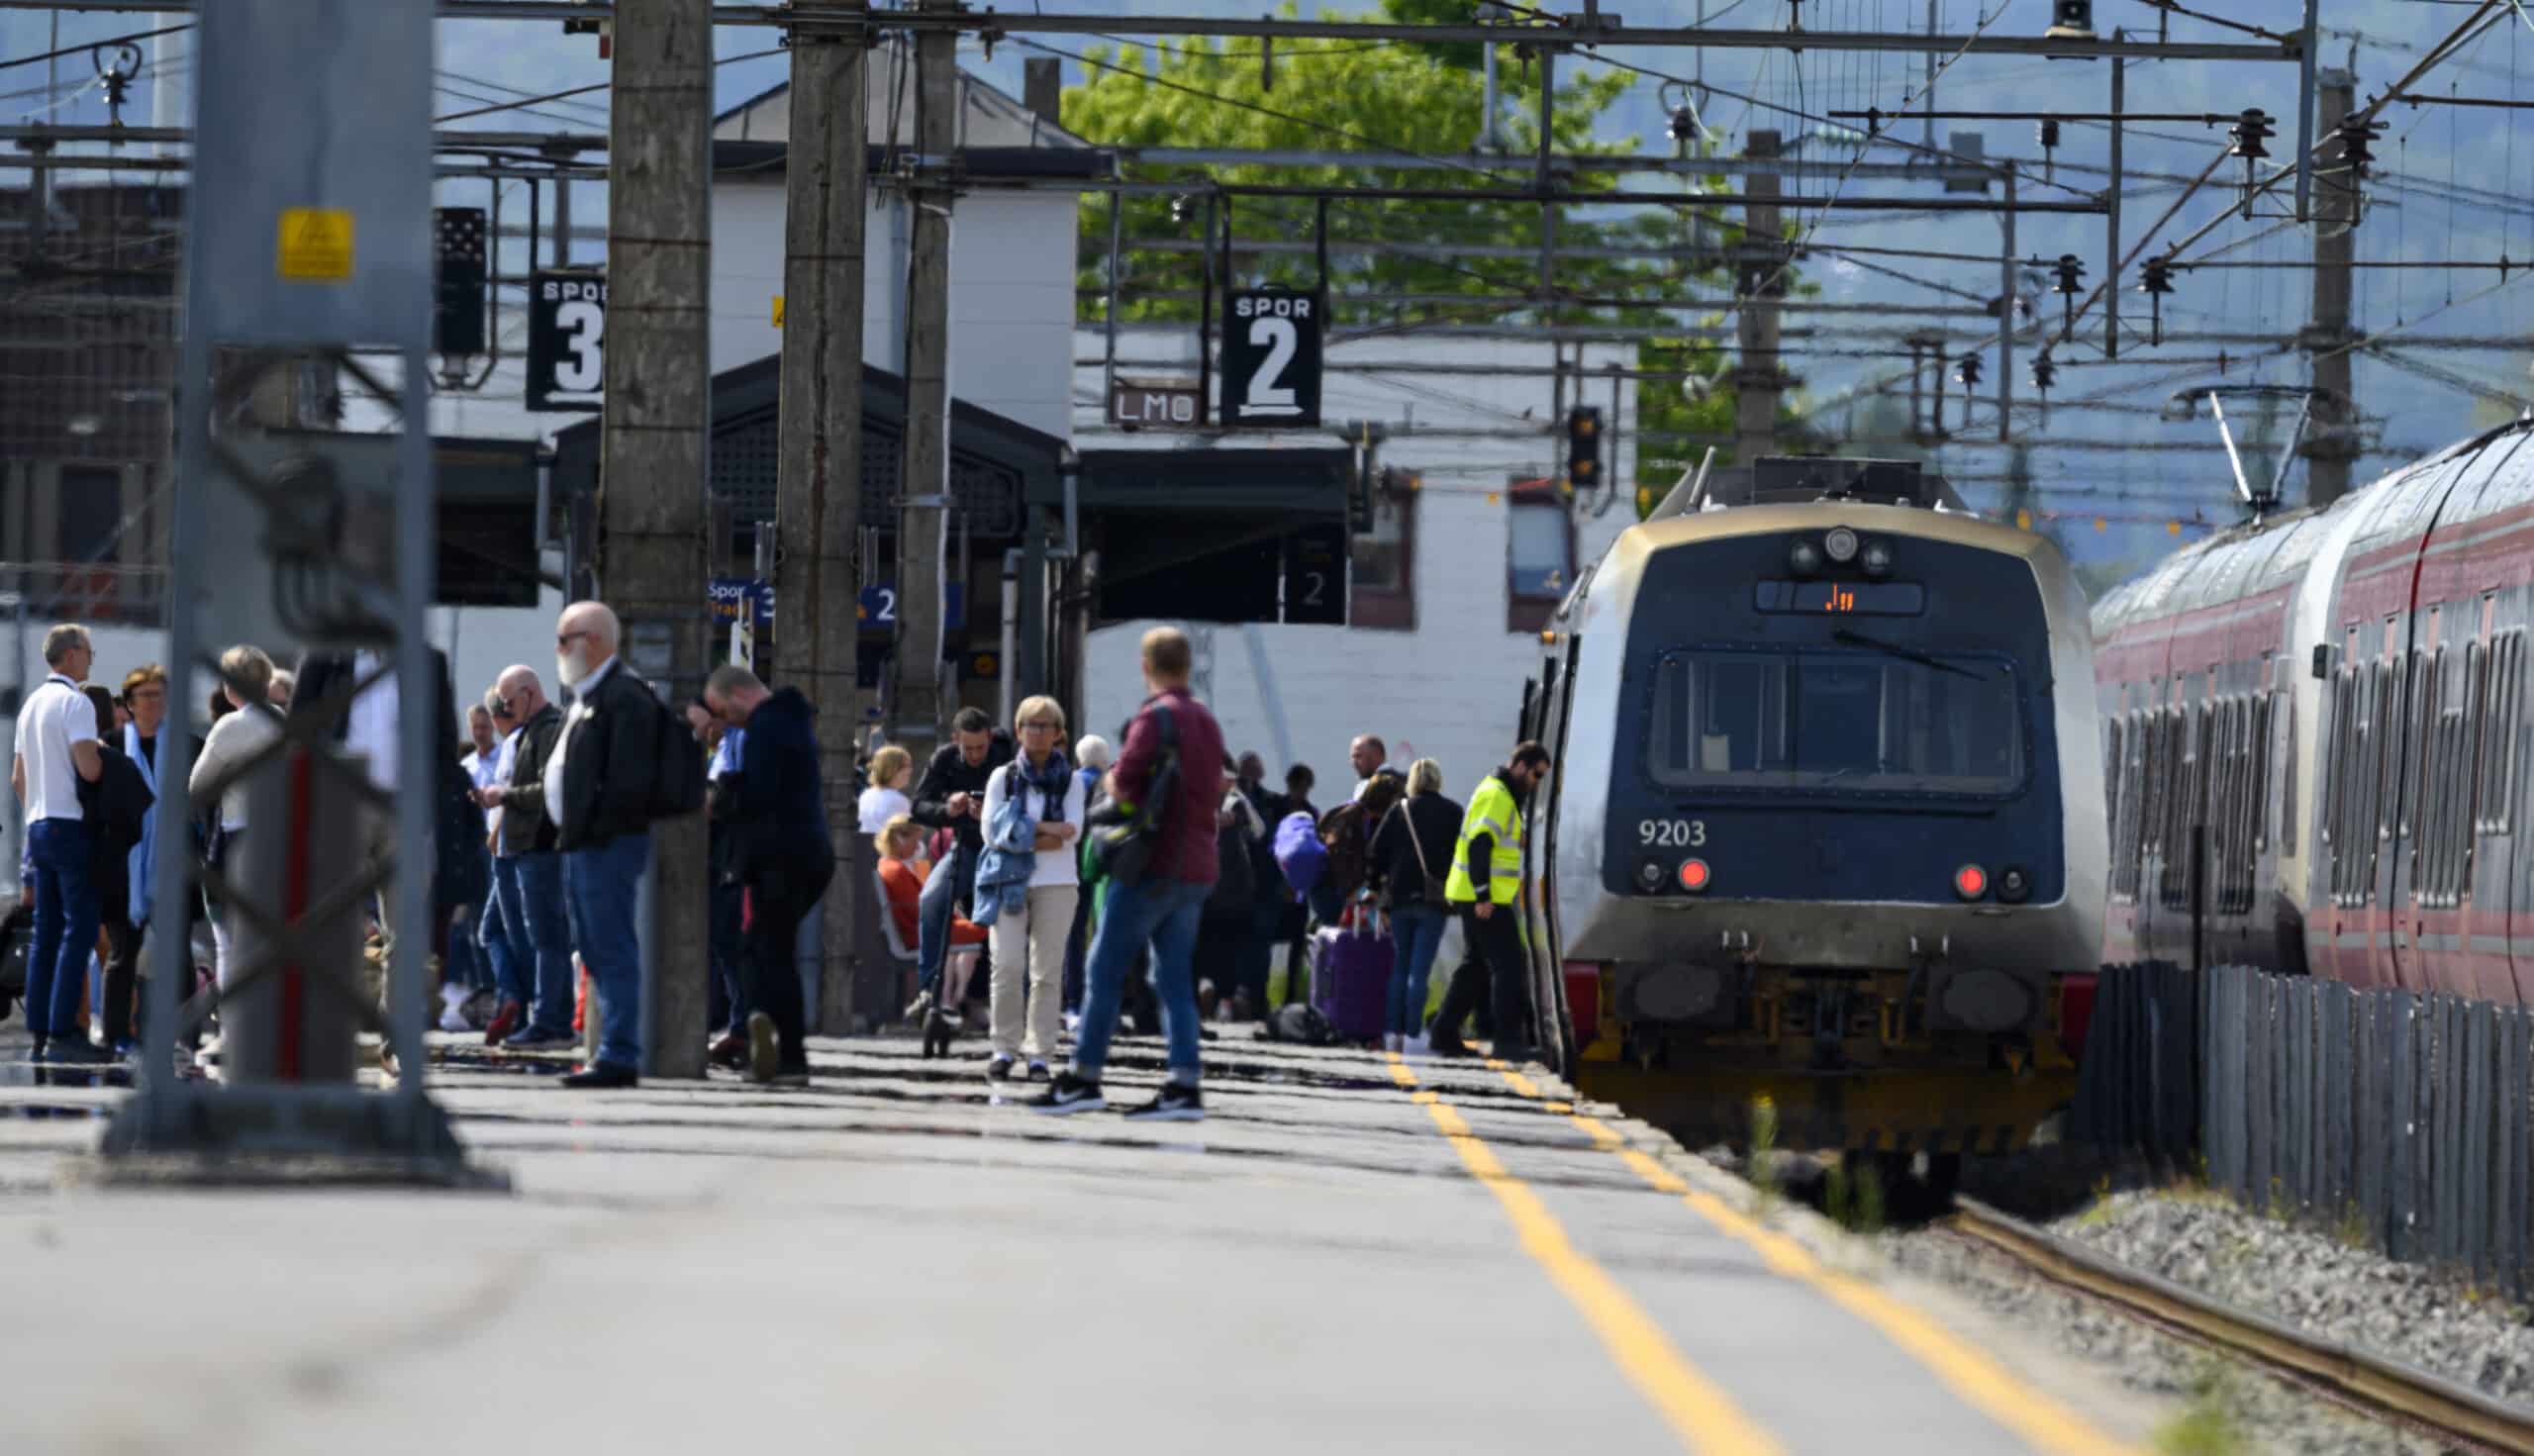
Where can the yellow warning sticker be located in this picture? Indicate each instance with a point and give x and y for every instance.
(778, 311)
(314, 245)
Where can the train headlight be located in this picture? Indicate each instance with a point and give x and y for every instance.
(1694, 876)
(1803, 559)
(1840, 544)
(2013, 884)
(1876, 559)
(1650, 873)
(1971, 882)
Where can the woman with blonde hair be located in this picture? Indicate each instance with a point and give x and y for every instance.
(1032, 822)
(886, 799)
(1410, 856)
(897, 842)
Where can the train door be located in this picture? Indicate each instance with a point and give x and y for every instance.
(1546, 938)
(2496, 546)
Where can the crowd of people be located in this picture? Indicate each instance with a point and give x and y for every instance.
(1152, 881)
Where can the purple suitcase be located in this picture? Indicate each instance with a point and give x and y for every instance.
(1350, 979)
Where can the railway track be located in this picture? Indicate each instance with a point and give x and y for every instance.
(2366, 1383)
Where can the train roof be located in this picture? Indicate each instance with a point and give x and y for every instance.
(2247, 559)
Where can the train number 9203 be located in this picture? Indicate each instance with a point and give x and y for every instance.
(1672, 833)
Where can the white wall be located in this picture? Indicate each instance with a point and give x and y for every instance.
(1012, 304)
(1451, 688)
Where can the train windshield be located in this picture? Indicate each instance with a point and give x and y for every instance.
(1882, 720)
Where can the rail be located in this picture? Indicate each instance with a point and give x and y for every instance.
(2368, 1383)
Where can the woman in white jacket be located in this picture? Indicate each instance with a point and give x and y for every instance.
(1029, 942)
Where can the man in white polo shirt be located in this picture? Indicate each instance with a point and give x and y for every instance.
(57, 748)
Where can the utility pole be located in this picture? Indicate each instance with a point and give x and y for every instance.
(819, 476)
(653, 455)
(2329, 446)
(919, 708)
(1760, 273)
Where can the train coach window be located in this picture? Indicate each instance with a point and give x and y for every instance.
(2504, 673)
(1847, 721)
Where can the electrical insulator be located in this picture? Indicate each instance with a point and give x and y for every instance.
(2049, 134)
(1685, 125)
(1179, 207)
(2357, 142)
(2069, 271)
(2156, 281)
(2044, 373)
(1967, 369)
(2250, 130)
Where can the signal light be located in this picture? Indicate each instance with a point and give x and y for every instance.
(1649, 874)
(2013, 884)
(1693, 875)
(1876, 559)
(1803, 559)
(1584, 447)
(1971, 882)
(1840, 544)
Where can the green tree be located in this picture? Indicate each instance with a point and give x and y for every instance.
(1332, 96)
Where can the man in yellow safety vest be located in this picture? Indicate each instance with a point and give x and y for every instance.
(1484, 886)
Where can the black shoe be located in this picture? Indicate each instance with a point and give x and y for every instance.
(539, 1038)
(1037, 1071)
(1173, 1104)
(998, 1069)
(790, 1077)
(35, 1051)
(602, 1076)
(1514, 1055)
(1453, 1048)
(75, 1051)
(1068, 1094)
(765, 1056)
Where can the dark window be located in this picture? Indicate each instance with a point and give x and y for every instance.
(1383, 592)
(1844, 722)
(1539, 557)
(91, 508)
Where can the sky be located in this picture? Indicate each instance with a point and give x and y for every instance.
(2446, 189)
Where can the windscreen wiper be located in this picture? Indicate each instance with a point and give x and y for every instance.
(1858, 638)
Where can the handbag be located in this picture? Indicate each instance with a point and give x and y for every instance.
(1121, 843)
(1437, 894)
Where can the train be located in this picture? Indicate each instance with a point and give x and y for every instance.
(2315, 733)
(1825, 825)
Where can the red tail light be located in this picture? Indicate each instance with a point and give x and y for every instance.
(1693, 875)
(1971, 882)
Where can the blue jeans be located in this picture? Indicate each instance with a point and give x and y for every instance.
(505, 939)
(535, 917)
(952, 881)
(726, 943)
(1165, 914)
(601, 881)
(65, 926)
(1418, 930)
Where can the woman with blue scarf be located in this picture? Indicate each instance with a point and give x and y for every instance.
(1027, 885)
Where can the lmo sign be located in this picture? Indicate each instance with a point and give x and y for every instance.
(1155, 406)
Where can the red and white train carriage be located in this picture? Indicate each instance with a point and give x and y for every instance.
(2332, 702)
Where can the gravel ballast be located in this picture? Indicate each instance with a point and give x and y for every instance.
(2317, 1284)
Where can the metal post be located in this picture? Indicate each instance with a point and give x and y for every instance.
(921, 707)
(817, 577)
(562, 225)
(2304, 114)
(1108, 318)
(2112, 215)
(1205, 316)
(1757, 381)
(1547, 183)
(2328, 448)
(2007, 313)
(2199, 898)
(655, 442)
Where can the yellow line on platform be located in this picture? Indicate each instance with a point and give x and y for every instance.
(1698, 1411)
(1969, 1372)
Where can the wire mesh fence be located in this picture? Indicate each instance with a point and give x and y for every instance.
(2398, 1119)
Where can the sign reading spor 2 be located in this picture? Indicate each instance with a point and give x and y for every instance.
(566, 340)
(1271, 359)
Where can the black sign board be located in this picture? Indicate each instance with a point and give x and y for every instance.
(1271, 359)
(457, 310)
(566, 340)
(1315, 574)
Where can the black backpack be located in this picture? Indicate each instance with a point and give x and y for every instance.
(1121, 842)
(677, 771)
(1300, 1023)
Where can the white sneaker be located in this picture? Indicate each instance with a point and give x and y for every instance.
(1389, 1042)
(1416, 1046)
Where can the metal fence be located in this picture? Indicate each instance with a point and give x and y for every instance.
(2403, 1119)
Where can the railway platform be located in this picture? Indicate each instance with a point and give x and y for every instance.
(1353, 1253)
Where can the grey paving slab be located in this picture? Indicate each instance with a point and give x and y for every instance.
(891, 1262)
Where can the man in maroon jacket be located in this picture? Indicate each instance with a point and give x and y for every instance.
(1162, 906)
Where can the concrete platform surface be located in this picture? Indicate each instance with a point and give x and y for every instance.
(1352, 1253)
